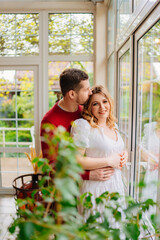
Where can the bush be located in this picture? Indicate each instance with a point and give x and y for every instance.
(57, 217)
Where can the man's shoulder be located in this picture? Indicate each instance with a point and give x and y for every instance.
(49, 115)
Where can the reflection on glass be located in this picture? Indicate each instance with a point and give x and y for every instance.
(124, 11)
(19, 34)
(110, 75)
(148, 112)
(70, 33)
(55, 69)
(123, 108)
(111, 27)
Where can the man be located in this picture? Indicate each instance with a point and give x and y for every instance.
(75, 88)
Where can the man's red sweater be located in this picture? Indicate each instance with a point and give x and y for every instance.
(56, 116)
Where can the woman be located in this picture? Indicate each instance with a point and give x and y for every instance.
(97, 136)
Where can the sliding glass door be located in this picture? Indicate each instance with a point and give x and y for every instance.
(147, 110)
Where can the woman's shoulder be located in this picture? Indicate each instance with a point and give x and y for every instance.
(80, 131)
(81, 122)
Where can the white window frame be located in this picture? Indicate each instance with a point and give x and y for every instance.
(150, 21)
(121, 52)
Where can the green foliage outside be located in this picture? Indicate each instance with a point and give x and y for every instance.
(24, 109)
(38, 220)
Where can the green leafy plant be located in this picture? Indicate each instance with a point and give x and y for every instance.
(56, 215)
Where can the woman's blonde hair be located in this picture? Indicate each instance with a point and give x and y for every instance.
(87, 110)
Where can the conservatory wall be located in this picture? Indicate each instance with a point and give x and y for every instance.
(116, 42)
(133, 79)
(38, 41)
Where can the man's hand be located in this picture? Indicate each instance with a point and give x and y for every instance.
(101, 174)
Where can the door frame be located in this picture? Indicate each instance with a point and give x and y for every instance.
(127, 46)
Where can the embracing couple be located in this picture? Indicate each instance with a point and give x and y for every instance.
(93, 129)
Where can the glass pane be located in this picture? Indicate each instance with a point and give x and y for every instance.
(136, 3)
(81, 44)
(124, 11)
(7, 80)
(25, 105)
(7, 179)
(124, 93)
(7, 104)
(7, 133)
(16, 104)
(148, 113)
(19, 34)
(12, 166)
(24, 137)
(123, 108)
(111, 27)
(70, 33)
(55, 69)
(25, 80)
(59, 44)
(110, 75)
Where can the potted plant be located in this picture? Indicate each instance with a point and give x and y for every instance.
(25, 185)
(63, 189)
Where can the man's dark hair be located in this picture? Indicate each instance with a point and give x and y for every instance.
(70, 79)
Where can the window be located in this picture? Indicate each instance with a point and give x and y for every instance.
(70, 34)
(124, 96)
(55, 69)
(125, 106)
(148, 113)
(17, 107)
(124, 11)
(19, 35)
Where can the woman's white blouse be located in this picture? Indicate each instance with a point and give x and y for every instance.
(98, 145)
(94, 140)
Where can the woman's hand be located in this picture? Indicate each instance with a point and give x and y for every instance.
(123, 158)
(114, 160)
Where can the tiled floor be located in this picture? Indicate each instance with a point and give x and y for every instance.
(7, 212)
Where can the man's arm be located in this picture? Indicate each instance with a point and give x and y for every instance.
(101, 174)
(86, 175)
